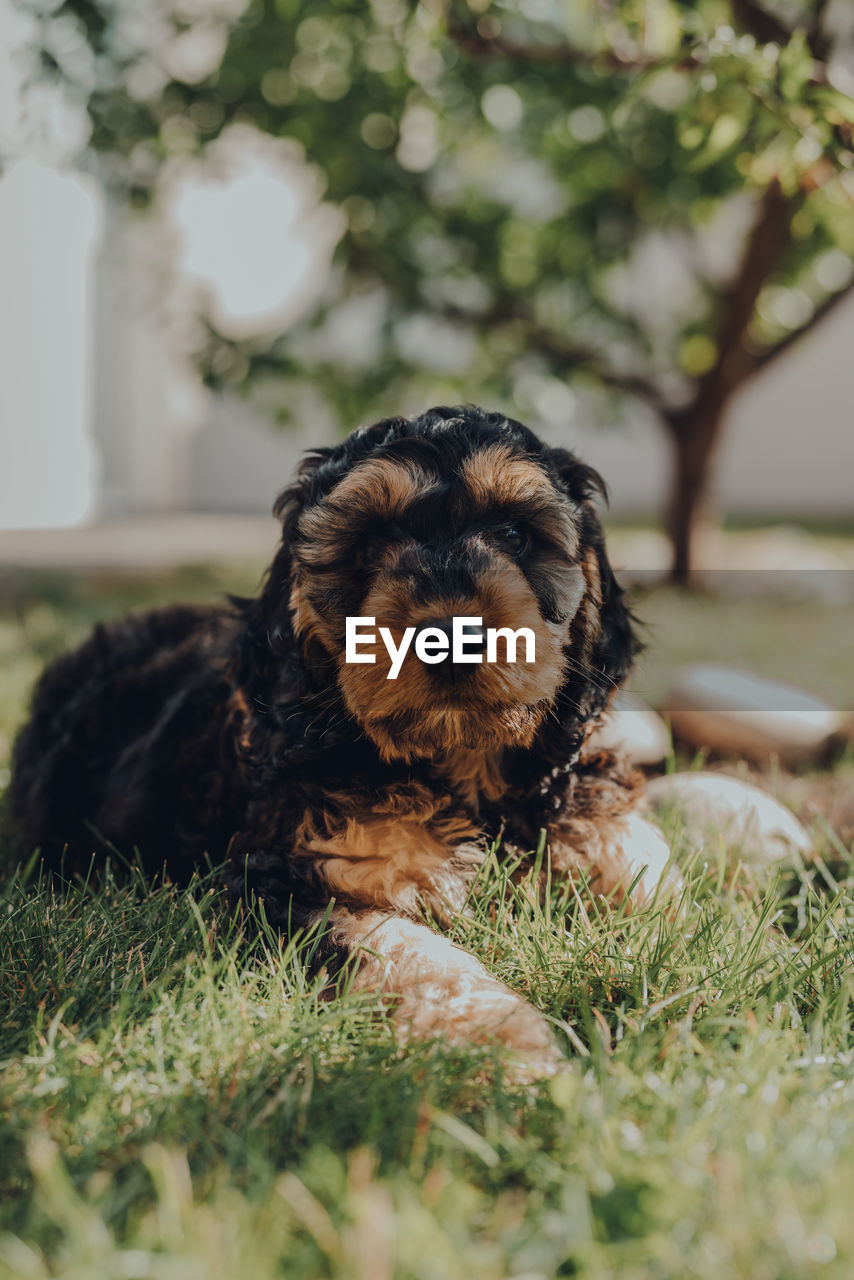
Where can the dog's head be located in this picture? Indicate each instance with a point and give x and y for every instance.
(457, 513)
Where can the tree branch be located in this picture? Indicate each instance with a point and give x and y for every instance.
(571, 356)
(820, 41)
(507, 309)
(766, 28)
(769, 354)
(758, 22)
(472, 42)
(762, 25)
(735, 361)
(566, 353)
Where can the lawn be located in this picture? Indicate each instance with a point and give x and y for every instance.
(177, 1102)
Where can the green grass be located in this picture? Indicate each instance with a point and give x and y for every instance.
(177, 1102)
(803, 642)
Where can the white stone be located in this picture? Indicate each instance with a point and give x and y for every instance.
(631, 726)
(715, 807)
(729, 710)
(647, 850)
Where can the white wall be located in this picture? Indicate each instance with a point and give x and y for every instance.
(789, 444)
(239, 462)
(48, 225)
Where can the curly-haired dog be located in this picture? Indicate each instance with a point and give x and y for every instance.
(241, 732)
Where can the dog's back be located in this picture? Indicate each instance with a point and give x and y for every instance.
(100, 755)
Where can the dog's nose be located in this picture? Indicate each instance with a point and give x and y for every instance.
(474, 642)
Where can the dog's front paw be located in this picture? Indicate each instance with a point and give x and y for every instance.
(479, 1010)
(535, 1052)
(445, 992)
(507, 1018)
(623, 859)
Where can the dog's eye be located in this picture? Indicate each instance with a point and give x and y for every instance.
(513, 539)
(368, 552)
(374, 542)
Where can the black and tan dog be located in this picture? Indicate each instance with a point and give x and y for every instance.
(240, 732)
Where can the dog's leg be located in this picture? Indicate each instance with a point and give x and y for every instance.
(598, 830)
(614, 854)
(441, 990)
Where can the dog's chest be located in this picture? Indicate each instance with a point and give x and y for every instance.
(476, 777)
(398, 849)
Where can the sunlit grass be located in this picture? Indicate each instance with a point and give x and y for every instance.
(177, 1100)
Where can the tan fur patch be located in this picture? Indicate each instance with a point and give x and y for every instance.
(379, 486)
(240, 712)
(385, 486)
(238, 722)
(592, 604)
(586, 624)
(497, 475)
(474, 775)
(307, 622)
(410, 851)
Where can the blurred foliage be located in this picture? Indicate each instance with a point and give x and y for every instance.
(499, 162)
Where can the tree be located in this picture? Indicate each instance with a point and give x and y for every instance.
(500, 163)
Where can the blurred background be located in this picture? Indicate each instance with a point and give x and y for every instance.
(232, 229)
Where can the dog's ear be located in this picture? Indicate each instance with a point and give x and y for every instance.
(293, 498)
(617, 644)
(269, 614)
(583, 483)
(370, 437)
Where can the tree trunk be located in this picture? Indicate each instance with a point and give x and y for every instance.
(694, 437)
(695, 430)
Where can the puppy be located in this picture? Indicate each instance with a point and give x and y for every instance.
(243, 735)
